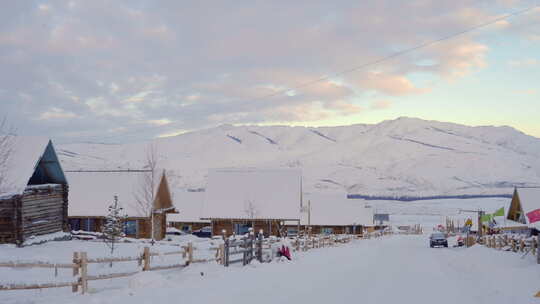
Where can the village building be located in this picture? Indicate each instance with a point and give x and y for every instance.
(333, 213)
(189, 206)
(33, 191)
(92, 192)
(262, 199)
(524, 211)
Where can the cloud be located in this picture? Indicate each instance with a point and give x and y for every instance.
(124, 66)
(57, 113)
(380, 104)
(529, 62)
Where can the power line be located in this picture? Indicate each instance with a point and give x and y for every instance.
(400, 53)
(367, 64)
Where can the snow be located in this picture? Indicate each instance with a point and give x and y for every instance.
(91, 193)
(33, 240)
(189, 205)
(334, 209)
(26, 151)
(394, 269)
(364, 159)
(253, 193)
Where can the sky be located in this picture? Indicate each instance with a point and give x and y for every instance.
(117, 71)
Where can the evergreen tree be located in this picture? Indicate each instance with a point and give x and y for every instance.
(113, 229)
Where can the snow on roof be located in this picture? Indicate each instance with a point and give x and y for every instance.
(253, 194)
(334, 209)
(26, 152)
(189, 205)
(91, 193)
(529, 199)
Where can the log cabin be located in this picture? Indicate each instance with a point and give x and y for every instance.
(92, 192)
(524, 211)
(33, 191)
(263, 199)
(189, 206)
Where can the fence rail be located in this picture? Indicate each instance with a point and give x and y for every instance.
(80, 268)
(513, 243)
(248, 248)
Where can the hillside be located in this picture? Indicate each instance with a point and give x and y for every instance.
(401, 157)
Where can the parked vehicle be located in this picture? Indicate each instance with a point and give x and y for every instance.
(174, 231)
(204, 232)
(438, 239)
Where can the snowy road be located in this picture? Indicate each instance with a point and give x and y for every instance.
(397, 269)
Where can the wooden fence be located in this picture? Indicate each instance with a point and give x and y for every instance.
(79, 266)
(513, 243)
(249, 248)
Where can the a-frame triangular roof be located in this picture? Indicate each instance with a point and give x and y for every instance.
(163, 200)
(31, 161)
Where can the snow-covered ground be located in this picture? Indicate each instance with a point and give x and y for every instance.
(392, 269)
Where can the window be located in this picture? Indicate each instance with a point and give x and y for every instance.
(130, 227)
(88, 224)
(292, 230)
(75, 224)
(327, 230)
(241, 229)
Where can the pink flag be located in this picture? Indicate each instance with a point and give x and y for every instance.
(534, 216)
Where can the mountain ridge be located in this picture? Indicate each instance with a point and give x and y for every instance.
(407, 157)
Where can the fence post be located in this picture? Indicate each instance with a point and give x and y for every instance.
(190, 253)
(84, 272)
(76, 265)
(259, 248)
(146, 259)
(226, 254)
(538, 249)
(222, 254)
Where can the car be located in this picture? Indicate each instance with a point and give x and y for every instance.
(438, 239)
(204, 232)
(174, 231)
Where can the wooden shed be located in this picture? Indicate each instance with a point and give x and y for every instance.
(525, 207)
(239, 199)
(92, 192)
(33, 191)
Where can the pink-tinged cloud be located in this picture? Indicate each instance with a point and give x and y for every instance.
(388, 84)
(380, 104)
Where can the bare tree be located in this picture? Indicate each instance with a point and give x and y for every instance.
(251, 210)
(145, 194)
(7, 140)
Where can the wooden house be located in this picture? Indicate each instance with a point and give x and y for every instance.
(524, 209)
(189, 206)
(333, 213)
(91, 193)
(262, 199)
(33, 191)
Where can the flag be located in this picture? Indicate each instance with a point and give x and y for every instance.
(534, 216)
(499, 212)
(486, 218)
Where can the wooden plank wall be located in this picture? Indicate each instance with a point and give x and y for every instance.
(266, 225)
(42, 211)
(8, 220)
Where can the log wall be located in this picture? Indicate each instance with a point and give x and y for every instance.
(43, 210)
(39, 210)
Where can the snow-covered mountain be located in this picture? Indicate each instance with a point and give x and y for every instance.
(401, 157)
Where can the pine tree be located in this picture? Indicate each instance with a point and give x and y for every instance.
(113, 229)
